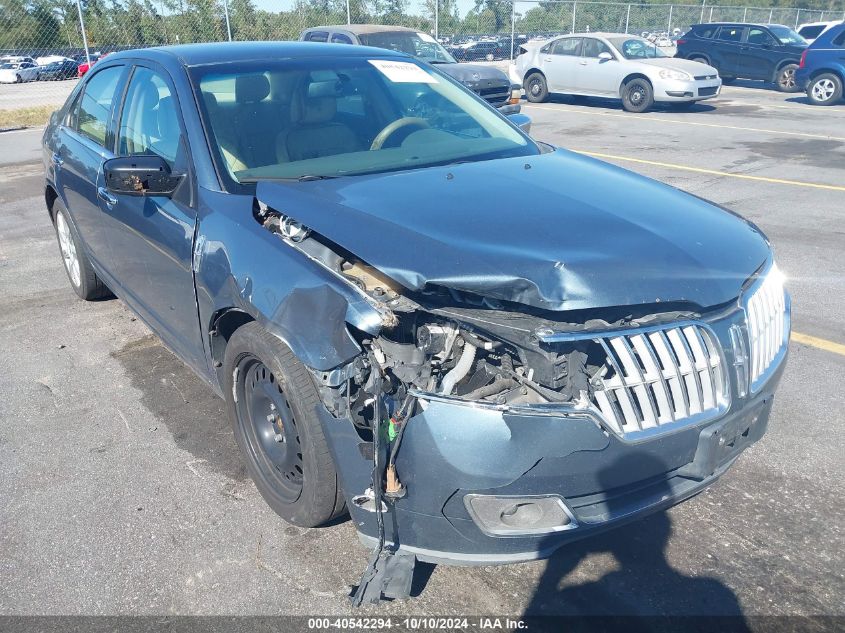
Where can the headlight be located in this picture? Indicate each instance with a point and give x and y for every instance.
(674, 74)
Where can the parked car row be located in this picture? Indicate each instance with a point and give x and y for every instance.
(23, 68)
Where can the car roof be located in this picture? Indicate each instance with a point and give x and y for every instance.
(199, 54)
(363, 29)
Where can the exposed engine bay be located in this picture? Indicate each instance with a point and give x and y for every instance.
(449, 343)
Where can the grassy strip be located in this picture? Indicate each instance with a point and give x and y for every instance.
(35, 116)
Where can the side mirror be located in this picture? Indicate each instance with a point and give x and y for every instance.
(140, 176)
(604, 56)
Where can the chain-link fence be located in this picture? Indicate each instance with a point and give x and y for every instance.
(82, 30)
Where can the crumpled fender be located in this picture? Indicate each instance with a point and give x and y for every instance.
(240, 265)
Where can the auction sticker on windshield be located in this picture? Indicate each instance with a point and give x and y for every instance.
(403, 72)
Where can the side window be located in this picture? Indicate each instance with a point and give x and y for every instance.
(149, 123)
(593, 47)
(340, 38)
(730, 34)
(759, 37)
(839, 40)
(317, 36)
(92, 117)
(706, 31)
(570, 46)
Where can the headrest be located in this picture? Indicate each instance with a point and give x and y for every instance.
(251, 88)
(210, 100)
(149, 96)
(319, 110)
(168, 122)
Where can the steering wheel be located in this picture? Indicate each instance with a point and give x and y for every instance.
(391, 128)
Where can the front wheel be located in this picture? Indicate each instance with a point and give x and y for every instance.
(536, 90)
(785, 79)
(825, 89)
(18, 79)
(272, 401)
(637, 95)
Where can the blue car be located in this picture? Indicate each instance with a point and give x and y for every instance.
(822, 70)
(326, 235)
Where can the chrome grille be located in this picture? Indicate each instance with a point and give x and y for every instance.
(767, 325)
(661, 376)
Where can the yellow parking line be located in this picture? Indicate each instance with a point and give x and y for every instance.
(820, 343)
(712, 172)
(630, 117)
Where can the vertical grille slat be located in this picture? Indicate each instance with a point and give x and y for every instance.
(765, 312)
(660, 376)
(654, 374)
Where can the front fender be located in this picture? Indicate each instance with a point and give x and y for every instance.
(239, 264)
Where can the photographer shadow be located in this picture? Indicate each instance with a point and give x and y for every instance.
(642, 587)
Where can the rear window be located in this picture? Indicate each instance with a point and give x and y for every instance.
(730, 34)
(705, 31)
(811, 32)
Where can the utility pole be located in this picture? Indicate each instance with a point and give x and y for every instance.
(84, 36)
(226, 12)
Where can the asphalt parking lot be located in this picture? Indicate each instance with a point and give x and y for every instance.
(123, 492)
(35, 93)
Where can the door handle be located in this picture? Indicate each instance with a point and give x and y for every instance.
(106, 197)
(57, 160)
(547, 59)
(584, 63)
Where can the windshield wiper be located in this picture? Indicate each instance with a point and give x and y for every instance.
(310, 177)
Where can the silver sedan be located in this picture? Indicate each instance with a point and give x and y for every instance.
(613, 65)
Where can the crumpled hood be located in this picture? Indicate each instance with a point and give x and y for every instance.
(558, 231)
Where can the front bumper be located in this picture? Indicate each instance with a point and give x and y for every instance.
(452, 450)
(694, 90)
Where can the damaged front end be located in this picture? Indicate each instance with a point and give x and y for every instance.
(474, 430)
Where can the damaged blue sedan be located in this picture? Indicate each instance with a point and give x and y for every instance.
(479, 346)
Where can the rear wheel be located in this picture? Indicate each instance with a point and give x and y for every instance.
(825, 89)
(637, 95)
(271, 400)
(785, 79)
(80, 273)
(536, 90)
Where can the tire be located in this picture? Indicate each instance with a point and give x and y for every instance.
(18, 79)
(826, 89)
(536, 90)
(80, 273)
(785, 79)
(637, 95)
(277, 430)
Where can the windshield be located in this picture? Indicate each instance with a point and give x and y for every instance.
(343, 116)
(636, 48)
(787, 36)
(419, 45)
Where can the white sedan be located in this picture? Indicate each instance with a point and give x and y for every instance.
(612, 65)
(16, 72)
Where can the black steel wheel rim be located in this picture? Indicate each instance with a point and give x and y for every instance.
(270, 427)
(636, 95)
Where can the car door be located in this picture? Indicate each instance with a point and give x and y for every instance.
(728, 50)
(559, 60)
(151, 237)
(597, 76)
(759, 54)
(82, 145)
